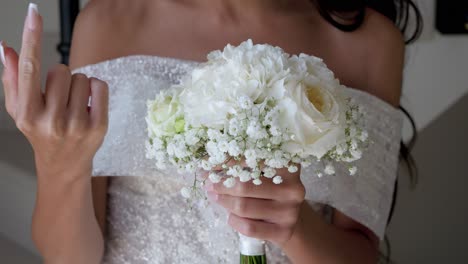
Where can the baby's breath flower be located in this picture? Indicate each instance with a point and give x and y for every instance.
(255, 131)
(255, 173)
(352, 170)
(213, 134)
(363, 136)
(150, 151)
(257, 182)
(354, 144)
(352, 131)
(234, 126)
(251, 163)
(276, 140)
(244, 176)
(250, 154)
(223, 146)
(204, 164)
(214, 177)
(157, 143)
(191, 137)
(356, 153)
(292, 169)
(329, 169)
(190, 167)
(296, 159)
(341, 149)
(277, 180)
(229, 182)
(233, 148)
(269, 172)
(234, 170)
(275, 131)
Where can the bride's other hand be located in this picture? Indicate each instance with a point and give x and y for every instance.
(268, 211)
(63, 132)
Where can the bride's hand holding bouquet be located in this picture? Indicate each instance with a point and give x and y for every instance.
(267, 212)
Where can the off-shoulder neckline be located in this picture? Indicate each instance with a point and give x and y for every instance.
(194, 62)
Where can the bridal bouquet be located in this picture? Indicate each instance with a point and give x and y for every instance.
(259, 104)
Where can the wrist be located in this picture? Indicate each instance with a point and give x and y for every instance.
(61, 173)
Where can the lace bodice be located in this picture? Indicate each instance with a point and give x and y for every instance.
(149, 221)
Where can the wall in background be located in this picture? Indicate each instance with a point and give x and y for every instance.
(436, 71)
(430, 223)
(12, 14)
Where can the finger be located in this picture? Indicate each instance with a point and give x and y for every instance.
(261, 165)
(259, 209)
(259, 229)
(99, 104)
(57, 90)
(230, 161)
(10, 78)
(284, 192)
(29, 85)
(80, 91)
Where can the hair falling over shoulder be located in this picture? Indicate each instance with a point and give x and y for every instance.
(348, 15)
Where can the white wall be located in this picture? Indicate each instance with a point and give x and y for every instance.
(12, 14)
(436, 73)
(430, 222)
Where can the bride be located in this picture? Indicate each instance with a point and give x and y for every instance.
(123, 52)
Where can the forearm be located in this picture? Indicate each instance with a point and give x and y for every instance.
(316, 241)
(64, 228)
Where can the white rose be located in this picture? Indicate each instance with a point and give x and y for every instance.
(165, 114)
(313, 111)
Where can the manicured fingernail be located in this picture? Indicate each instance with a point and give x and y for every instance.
(2, 54)
(33, 12)
(212, 196)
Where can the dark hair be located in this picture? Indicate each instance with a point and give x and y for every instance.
(348, 15)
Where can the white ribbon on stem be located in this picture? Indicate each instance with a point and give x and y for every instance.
(249, 246)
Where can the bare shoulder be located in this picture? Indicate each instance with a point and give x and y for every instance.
(385, 56)
(102, 31)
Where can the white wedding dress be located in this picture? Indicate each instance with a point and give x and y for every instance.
(150, 222)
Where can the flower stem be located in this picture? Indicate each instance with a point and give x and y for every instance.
(261, 259)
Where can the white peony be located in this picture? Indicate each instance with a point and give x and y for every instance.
(230, 81)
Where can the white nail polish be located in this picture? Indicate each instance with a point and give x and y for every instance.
(33, 10)
(33, 7)
(2, 53)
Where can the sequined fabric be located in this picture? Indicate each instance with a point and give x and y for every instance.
(149, 221)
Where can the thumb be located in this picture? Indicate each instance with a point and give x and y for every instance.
(10, 78)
